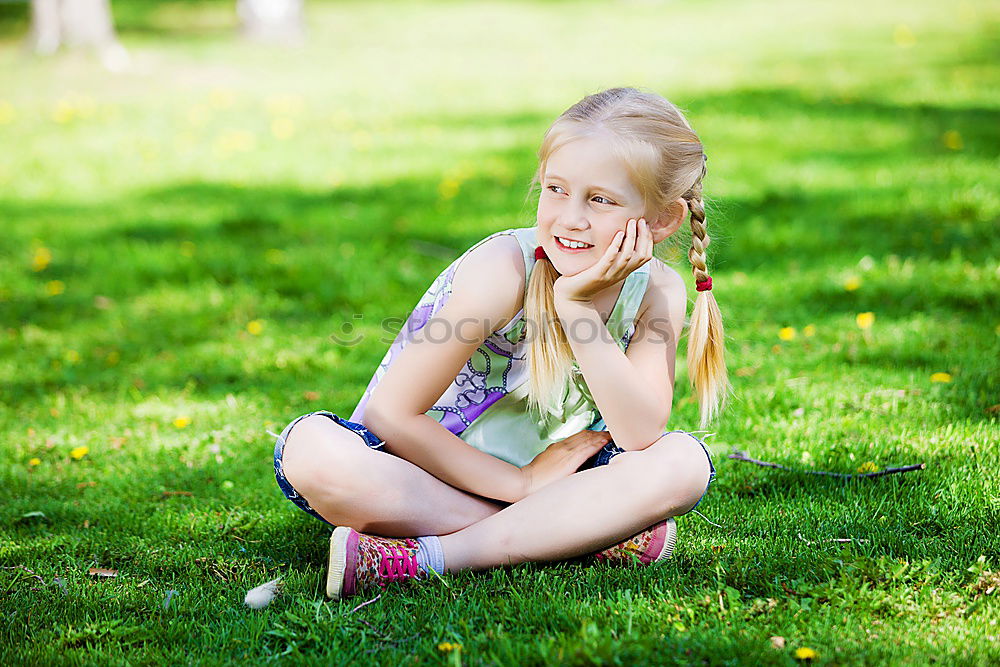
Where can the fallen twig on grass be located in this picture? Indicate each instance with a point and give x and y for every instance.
(835, 539)
(742, 456)
(364, 604)
(17, 577)
(21, 567)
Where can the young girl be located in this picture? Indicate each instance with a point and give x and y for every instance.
(520, 412)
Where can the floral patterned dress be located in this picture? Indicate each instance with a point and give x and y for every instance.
(486, 405)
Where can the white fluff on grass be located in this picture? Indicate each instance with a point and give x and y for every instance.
(260, 597)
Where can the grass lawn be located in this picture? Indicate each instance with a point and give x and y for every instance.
(179, 243)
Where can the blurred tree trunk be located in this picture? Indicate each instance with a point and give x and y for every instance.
(76, 24)
(272, 20)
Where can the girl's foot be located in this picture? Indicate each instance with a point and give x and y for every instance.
(358, 561)
(653, 544)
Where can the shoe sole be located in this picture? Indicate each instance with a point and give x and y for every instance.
(337, 566)
(669, 540)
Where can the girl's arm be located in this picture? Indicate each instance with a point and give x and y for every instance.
(633, 390)
(486, 294)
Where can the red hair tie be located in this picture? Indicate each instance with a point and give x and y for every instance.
(540, 253)
(704, 285)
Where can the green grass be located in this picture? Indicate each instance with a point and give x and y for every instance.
(845, 142)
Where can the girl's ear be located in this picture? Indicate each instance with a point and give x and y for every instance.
(670, 220)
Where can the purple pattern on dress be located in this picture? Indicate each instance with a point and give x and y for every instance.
(468, 396)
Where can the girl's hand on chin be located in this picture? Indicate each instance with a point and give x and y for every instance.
(622, 257)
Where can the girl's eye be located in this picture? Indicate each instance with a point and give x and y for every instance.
(606, 200)
(554, 186)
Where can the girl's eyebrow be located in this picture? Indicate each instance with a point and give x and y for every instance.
(616, 195)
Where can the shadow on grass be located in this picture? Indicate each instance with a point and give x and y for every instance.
(333, 244)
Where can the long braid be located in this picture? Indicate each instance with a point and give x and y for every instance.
(700, 239)
(706, 340)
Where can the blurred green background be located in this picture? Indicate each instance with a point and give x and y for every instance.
(182, 237)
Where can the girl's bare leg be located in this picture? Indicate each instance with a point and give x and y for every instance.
(350, 484)
(588, 510)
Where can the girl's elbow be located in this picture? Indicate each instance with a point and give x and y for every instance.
(376, 414)
(381, 413)
(647, 437)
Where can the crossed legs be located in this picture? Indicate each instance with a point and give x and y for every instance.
(352, 485)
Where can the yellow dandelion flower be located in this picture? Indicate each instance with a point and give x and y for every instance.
(41, 259)
(852, 283)
(867, 466)
(361, 140)
(79, 452)
(234, 141)
(149, 152)
(941, 377)
(903, 37)
(182, 422)
(280, 105)
(282, 128)
(55, 287)
(865, 320)
(221, 98)
(448, 647)
(255, 327)
(786, 333)
(34, 462)
(63, 112)
(7, 113)
(809, 330)
(448, 188)
(805, 653)
(952, 140)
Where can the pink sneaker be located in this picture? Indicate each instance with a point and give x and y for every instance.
(653, 544)
(358, 561)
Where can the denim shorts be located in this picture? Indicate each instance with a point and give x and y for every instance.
(602, 457)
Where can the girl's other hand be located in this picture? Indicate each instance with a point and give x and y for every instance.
(562, 459)
(628, 251)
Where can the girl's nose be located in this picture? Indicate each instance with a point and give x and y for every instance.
(576, 217)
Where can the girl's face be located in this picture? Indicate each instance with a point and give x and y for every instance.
(587, 197)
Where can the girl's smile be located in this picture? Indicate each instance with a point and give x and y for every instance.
(572, 246)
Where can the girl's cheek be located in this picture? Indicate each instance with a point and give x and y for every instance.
(545, 210)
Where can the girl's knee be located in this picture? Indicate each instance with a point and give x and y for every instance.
(319, 456)
(683, 465)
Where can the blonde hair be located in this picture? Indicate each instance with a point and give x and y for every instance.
(666, 161)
